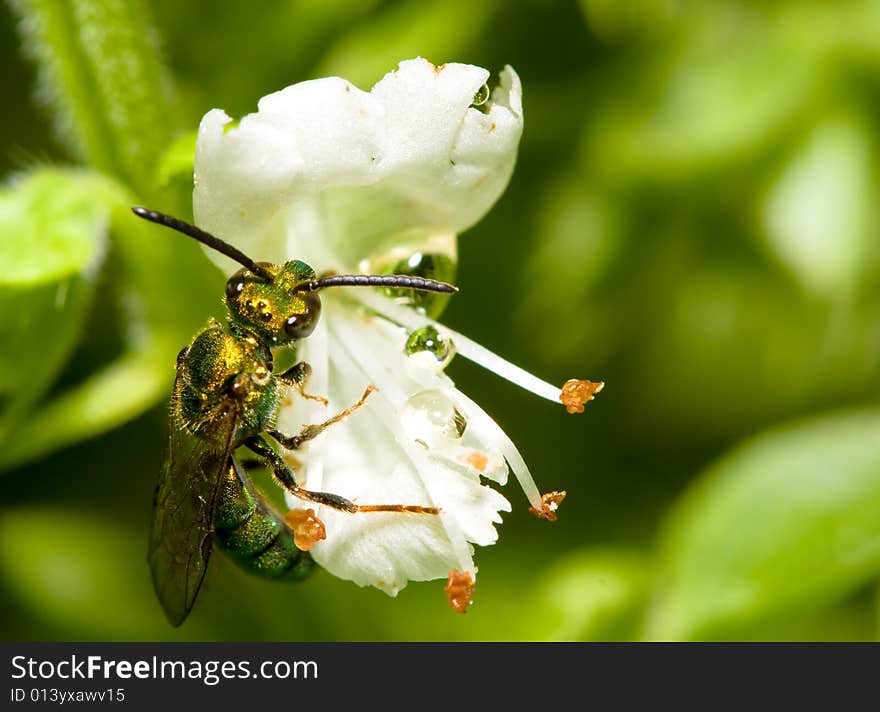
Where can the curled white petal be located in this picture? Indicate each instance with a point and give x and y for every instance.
(325, 168)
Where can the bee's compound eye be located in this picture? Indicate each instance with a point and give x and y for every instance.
(234, 286)
(299, 326)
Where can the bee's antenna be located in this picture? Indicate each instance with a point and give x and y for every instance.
(205, 238)
(420, 284)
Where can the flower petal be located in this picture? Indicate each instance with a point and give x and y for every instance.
(326, 172)
(345, 179)
(372, 459)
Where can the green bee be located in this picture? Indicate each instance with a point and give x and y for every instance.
(226, 396)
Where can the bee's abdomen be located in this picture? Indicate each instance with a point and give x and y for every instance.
(255, 536)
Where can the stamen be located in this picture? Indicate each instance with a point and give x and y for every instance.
(489, 431)
(459, 590)
(482, 356)
(495, 437)
(468, 348)
(308, 530)
(549, 504)
(576, 393)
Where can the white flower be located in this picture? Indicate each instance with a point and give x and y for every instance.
(352, 181)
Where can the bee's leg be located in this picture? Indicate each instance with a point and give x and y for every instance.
(251, 463)
(297, 376)
(309, 432)
(285, 475)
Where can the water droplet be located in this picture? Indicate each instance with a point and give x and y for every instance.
(431, 419)
(482, 96)
(429, 339)
(423, 264)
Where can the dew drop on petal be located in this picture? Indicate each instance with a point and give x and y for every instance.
(427, 339)
(431, 418)
(482, 95)
(427, 349)
(430, 265)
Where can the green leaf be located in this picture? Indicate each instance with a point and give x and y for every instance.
(784, 524)
(54, 225)
(110, 397)
(593, 594)
(40, 325)
(100, 70)
(161, 314)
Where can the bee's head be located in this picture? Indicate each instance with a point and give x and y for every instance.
(281, 304)
(274, 309)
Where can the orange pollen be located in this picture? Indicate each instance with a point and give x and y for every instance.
(308, 530)
(549, 504)
(459, 590)
(478, 460)
(576, 393)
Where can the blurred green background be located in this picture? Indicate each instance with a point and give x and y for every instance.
(693, 219)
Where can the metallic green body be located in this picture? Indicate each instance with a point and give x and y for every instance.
(253, 534)
(245, 526)
(225, 395)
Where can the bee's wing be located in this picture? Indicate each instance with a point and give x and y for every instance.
(183, 506)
